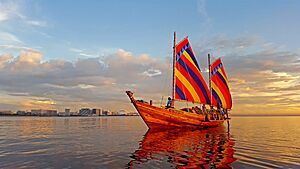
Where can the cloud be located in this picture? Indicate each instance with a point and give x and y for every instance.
(9, 10)
(87, 55)
(26, 62)
(96, 81)
(16, 47)
(36, 23)
(260, 74)
(81, 52)
(205, 20)
(76, 50)
(6, 37)
(18, 94)
(5, 59)
(263, 77)
(29, 57)
(152, 72)
(3, 16)
(201, 9)
(14, 11)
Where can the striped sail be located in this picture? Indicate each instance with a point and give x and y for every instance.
(219, 84)
(189, 82)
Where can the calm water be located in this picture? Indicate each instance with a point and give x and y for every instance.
(124, 142)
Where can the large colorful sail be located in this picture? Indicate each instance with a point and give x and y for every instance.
(219, 84)
(189, 82)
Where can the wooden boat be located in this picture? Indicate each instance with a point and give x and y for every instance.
(189, 85)
(157, 117)
(206, 148)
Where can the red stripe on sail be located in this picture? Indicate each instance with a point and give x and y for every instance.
(177, 96)
(214, 101)
(199, 75)
(200, 93)
(223, 71)
(222, 87)
(184, 90)
(191, 80)
(180, 45)
(216, 63)
(186, 61)
(225, 88)
(196, 71)
(220, 84)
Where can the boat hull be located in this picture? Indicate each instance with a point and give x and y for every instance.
(160, 117)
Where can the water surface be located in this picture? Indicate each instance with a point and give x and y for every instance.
(124, 142)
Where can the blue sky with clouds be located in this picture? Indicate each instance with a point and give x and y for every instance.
(99, 27)
(59, 44)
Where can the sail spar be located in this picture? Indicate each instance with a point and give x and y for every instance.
(189, 82)
(219, 83)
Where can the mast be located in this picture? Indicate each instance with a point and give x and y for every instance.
(209, 79)
(174, 61)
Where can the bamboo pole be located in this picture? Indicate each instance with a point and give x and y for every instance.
(174, 61)
(209, 80)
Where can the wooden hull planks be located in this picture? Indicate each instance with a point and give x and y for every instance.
(159, 117)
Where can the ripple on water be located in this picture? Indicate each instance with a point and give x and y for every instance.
(122, 142)
(266, 145)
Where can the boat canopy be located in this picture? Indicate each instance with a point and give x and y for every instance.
(220, 88)
(189, 82)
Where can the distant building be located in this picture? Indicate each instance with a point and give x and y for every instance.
(105, 113)
(132, 114)
(21, 113)
(85, 112)
(67, 112)
(6, 112)
(119, 113)
(97, 112)
(41, 112)
(74, 113)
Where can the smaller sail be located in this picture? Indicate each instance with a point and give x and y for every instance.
(189, 82)
(219, 84)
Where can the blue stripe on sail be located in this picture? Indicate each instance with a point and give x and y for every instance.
(193, 57)
(215, 70)
(216, 96)
(180, 93)
(182, 50)
(222, 78)
(196, 79)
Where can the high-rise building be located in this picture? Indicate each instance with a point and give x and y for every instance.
(97, 112)
(85, 112)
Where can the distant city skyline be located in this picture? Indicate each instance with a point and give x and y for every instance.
(68, 112)
(88, 53)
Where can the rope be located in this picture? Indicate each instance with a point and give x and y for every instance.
(165, 79)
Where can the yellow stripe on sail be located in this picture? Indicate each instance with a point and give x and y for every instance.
(223, 72)
(187, 84)
(188, 57)
(223, 76)
(214, 86)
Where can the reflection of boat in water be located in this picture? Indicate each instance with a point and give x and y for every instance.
(190, 86)
(207, 148)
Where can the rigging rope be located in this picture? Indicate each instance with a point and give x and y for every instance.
(166, 78)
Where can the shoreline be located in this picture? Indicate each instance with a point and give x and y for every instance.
(232, 115)
(14, 115)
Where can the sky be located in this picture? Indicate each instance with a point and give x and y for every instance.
(70, 54)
